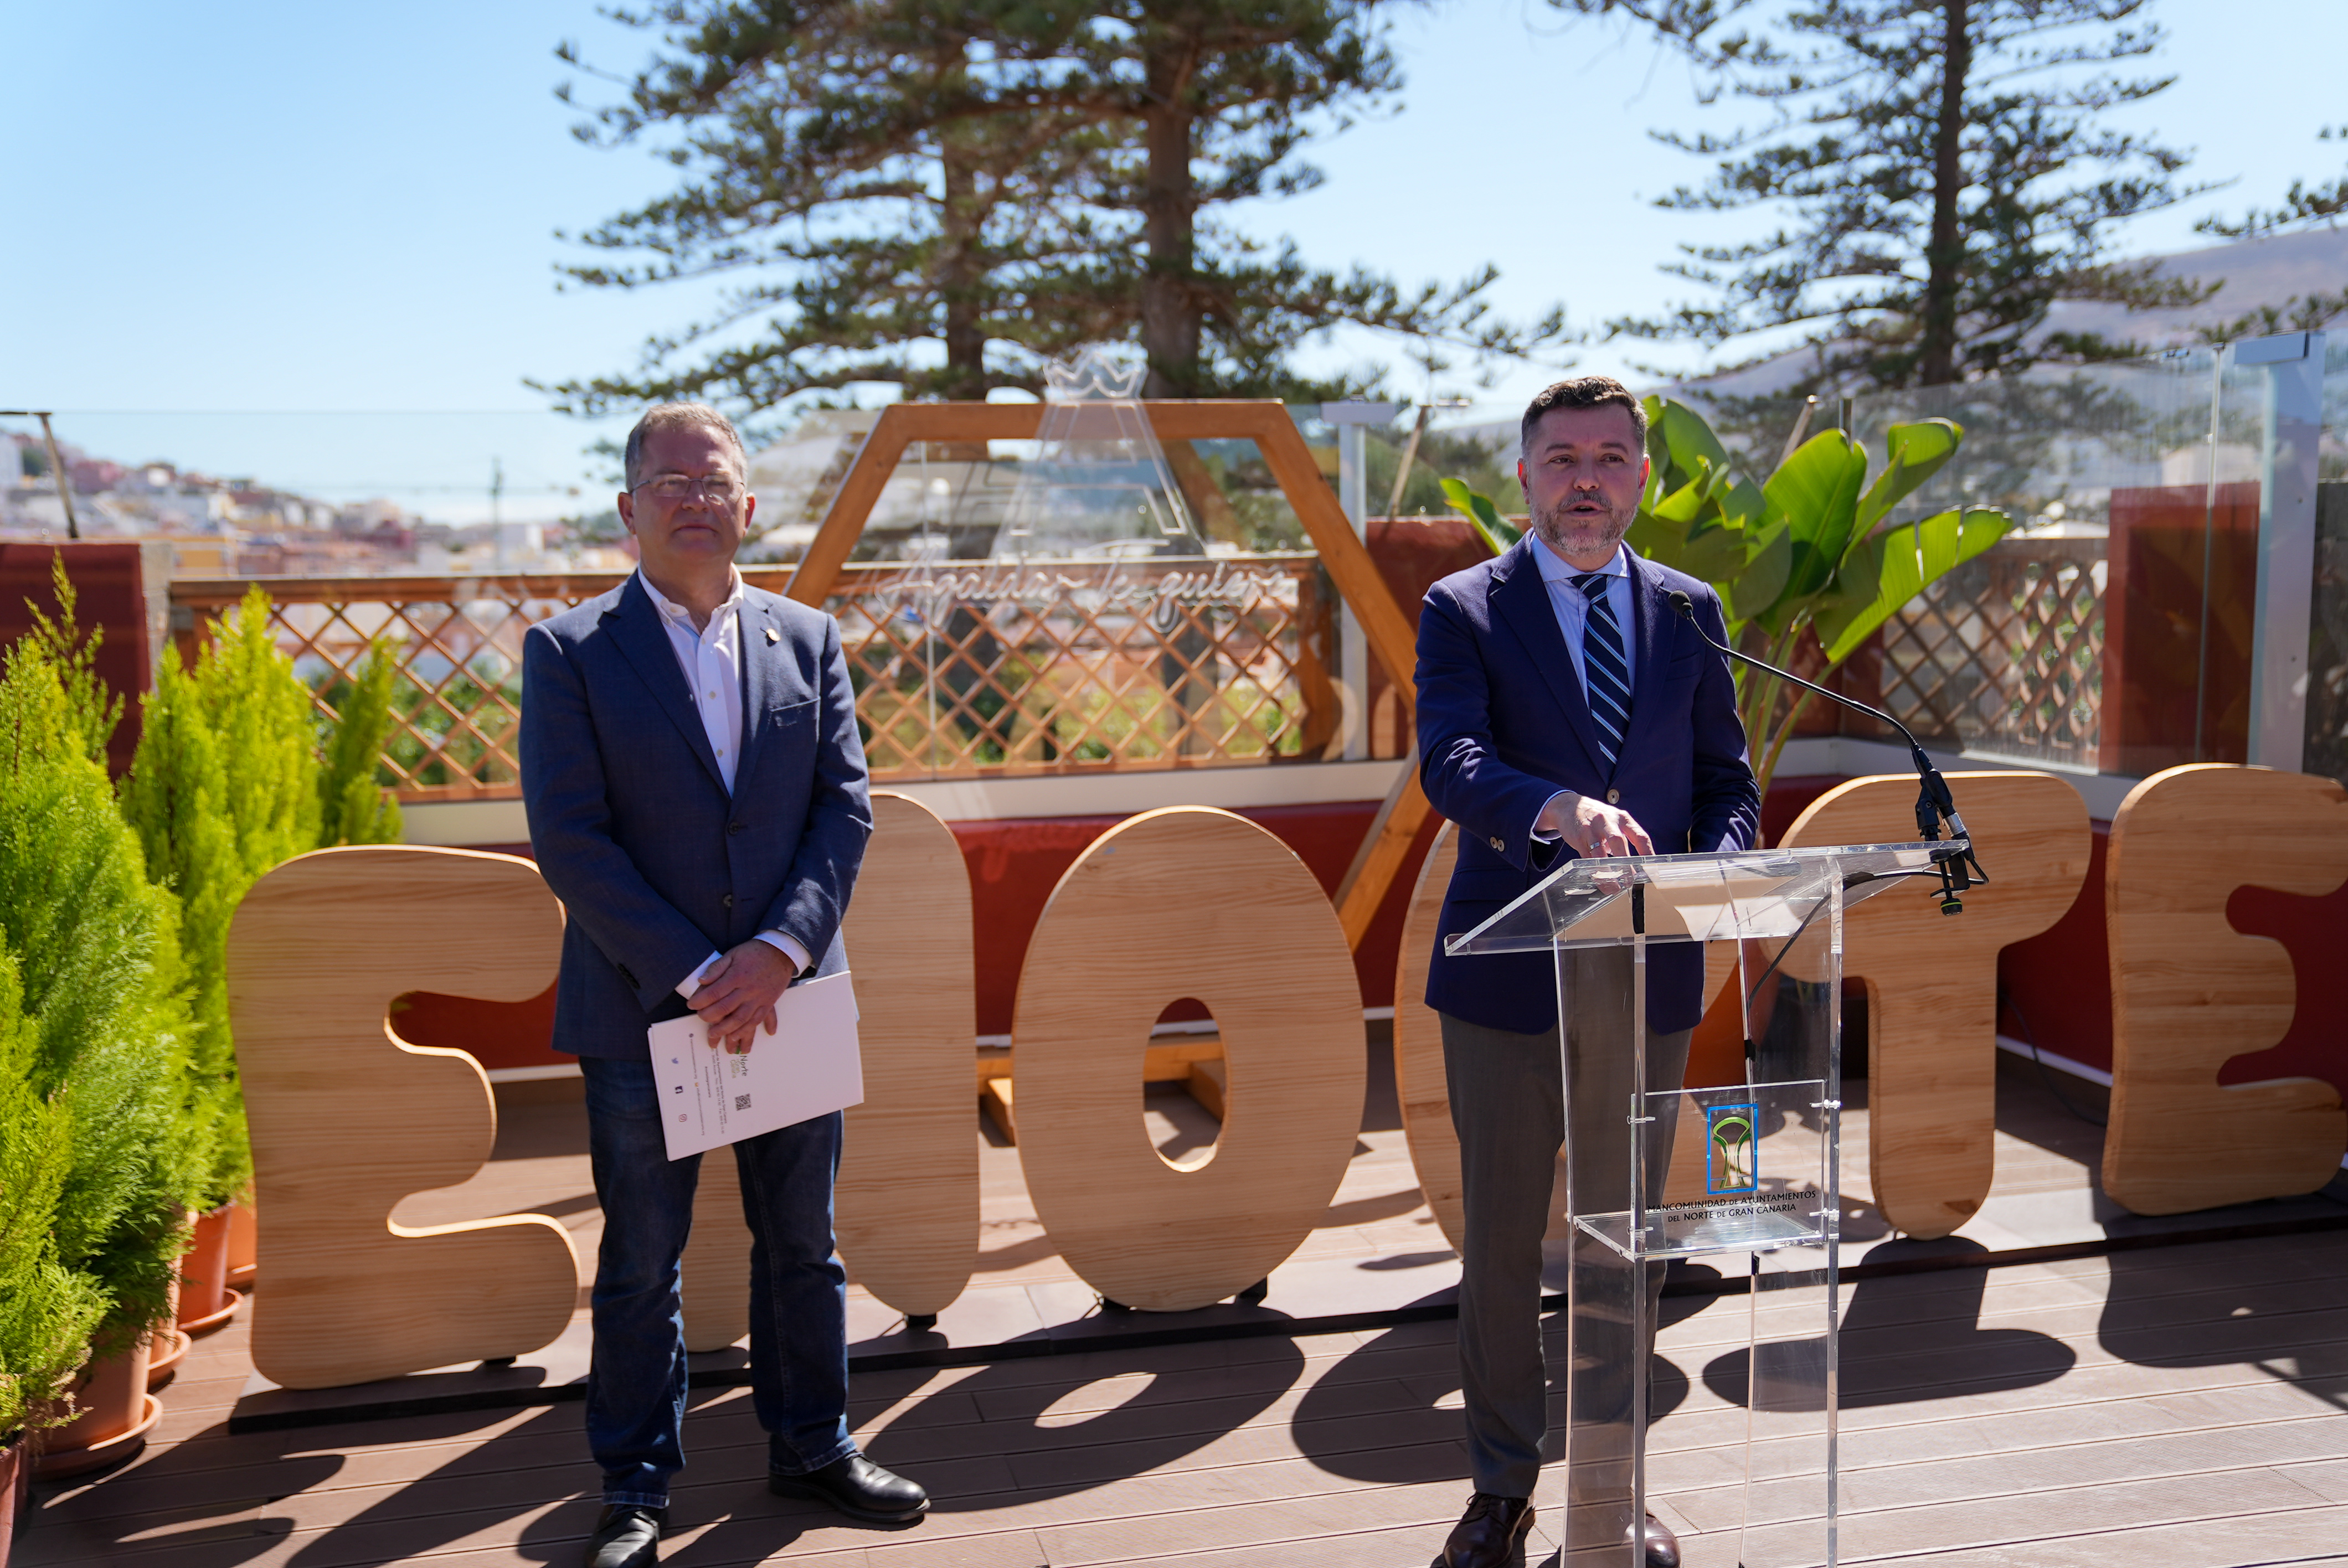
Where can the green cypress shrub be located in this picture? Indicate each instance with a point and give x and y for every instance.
(222, 790)
(102, 1029)
(46, 1310)
(356, 808)
(92, 710)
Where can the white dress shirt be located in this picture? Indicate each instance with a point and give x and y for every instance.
(711, 658)
(1571, 608)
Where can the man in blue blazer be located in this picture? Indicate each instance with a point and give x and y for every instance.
(1564, 711)
(696, 794)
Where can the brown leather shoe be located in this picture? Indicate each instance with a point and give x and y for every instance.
(1663, 1546)
(1490, 1534)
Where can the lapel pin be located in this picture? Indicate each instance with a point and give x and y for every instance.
(773, 635)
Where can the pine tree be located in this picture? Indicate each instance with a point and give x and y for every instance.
(946, 196)
(874, 228)
(1944, 173)
(2305, 206)
(1212, 99)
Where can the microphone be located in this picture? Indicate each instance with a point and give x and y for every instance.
(1934, 804)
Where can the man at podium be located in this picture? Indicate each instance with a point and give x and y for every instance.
(1564, 711)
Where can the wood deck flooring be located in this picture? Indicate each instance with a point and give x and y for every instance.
(2177, 1406)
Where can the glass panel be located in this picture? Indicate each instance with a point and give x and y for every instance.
(1613, 1294)
(1748, 1174)
(1692, 898)
(1794, 1021)
(2079, 639)
(986, 669)
(1098, 485)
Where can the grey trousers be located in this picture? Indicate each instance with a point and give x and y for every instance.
(1507, 1108)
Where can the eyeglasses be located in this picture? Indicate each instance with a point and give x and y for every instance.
(717, 489)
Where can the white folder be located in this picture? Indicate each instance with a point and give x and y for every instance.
(810, 1066)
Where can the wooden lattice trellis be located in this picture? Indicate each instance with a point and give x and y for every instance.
(457, 642)
(1352, 573)
(2006, 652)
(1076, 678)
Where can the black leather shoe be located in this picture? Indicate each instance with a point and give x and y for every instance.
(627, 1535)
(1663, 1546)
(858, 1488)
(1490, 1534)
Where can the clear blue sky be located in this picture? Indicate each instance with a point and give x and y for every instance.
(322, 208)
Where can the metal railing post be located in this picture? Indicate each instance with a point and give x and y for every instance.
(2293, 425)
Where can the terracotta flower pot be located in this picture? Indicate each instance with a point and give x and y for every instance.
(170, 1348)
(244, 1244)
(116, 1413)
(16, 1470)
(206, 1302)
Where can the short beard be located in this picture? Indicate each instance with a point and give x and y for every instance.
(1571, 535)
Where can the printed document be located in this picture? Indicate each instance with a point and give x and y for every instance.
(810, 1066)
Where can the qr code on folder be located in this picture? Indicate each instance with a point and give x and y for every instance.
(741, 1102)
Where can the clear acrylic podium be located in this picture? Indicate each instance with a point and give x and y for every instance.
(1752, 1181)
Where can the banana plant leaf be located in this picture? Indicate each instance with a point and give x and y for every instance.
(1893, 567)
(1499, 533)
(1814, 497)
(1685, 530)
(1917, 451)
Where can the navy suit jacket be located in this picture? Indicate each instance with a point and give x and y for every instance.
(656, 865)
(1503, 725)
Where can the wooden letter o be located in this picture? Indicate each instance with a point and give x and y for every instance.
(347, 1119)
(1186, 902)
(1932, 979)
(2190, 992)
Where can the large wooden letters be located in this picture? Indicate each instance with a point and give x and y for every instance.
(1186, 902)
(2190, 992)
(1420, 1087)
(1932, 979)
(906, 1205)
(347, 1119)
(908, 1196)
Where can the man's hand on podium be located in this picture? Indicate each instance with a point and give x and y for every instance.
(1591, 827)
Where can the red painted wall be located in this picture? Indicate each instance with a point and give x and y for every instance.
(2060, 980)
(1013, 867)
(111, 597)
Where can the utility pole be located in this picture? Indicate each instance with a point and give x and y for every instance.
(57, 465)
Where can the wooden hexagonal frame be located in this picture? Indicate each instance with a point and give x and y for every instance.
(1267, 423)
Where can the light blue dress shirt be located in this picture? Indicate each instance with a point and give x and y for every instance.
(1571, 606)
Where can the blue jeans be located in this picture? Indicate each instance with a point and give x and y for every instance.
(799, 1293)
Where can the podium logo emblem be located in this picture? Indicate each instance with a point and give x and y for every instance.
(1729, 1167)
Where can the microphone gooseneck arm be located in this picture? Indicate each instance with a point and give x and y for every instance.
(1934, 804)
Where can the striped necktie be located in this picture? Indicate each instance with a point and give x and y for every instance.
(1606, 672)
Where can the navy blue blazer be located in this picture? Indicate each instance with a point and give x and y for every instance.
(1503, 725)
(656, 865)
